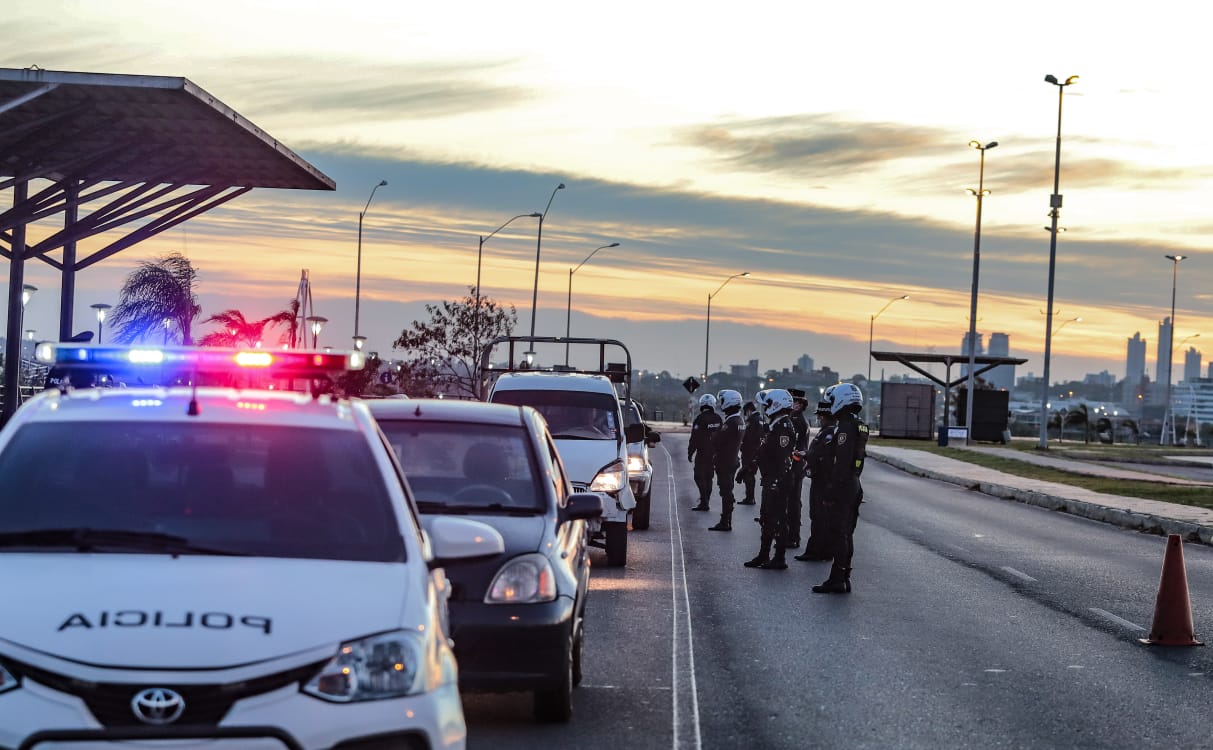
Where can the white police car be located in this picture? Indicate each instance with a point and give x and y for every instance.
(206, 564)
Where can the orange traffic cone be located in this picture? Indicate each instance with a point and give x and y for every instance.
(1173, 608)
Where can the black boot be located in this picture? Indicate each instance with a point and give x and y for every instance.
(839, 582)
(724, 524)
(757, 562)
(778, 563)
(747, 501)
(703, 505)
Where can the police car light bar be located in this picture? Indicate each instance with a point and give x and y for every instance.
(298, 362)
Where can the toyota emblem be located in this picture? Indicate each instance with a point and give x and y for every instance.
(157, 706)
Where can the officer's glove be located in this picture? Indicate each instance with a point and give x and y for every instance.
(691, 457)
(742, 476)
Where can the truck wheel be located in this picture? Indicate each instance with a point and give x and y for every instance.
(640, 514)
(616, 543)
(555, 706)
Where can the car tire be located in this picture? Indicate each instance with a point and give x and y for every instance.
(640, 514)
(616, 543)
(578, 655)
(555, 705)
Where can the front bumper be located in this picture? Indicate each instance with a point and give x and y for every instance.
(507, 647)
(36, 716)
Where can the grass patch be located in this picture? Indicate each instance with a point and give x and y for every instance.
(1201, 497)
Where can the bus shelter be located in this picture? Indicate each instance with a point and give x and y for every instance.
(119, 157)
(912, 360)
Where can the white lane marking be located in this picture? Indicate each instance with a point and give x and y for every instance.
(683, 646)
(1118, 620)
(1019, 574)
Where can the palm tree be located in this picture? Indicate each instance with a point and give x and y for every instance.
(289, 318)
(157, 297)
(234, 330)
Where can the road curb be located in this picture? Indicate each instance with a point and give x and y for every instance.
(1146, 522)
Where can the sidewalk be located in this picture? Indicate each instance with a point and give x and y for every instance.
(1194, 524)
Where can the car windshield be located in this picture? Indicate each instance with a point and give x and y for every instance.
(190, 488)
(469, 468)
(571, 415)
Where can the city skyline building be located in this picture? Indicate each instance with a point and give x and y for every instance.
(1003, 376)
(1192, 361)
(1135, 358)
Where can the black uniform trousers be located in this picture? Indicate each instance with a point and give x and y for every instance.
(842, 513)
(704, 472)
(794, 504)
(773, 515)
(725, 479)
(818, 521)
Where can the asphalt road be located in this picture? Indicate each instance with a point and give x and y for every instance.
(974, 622)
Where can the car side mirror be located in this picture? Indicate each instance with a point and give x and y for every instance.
(581, 506)
(453, 540)
(634, 433)
(652, 437)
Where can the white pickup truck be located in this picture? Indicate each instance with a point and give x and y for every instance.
(582, 409)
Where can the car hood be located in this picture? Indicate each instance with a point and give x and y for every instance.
(583, 458)
(143, 611)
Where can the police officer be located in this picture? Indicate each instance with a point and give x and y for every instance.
(799, 468)
(701, 450)
(749, 448)
(820, 449)
(774, 460)
(728, 443)
(843, 492)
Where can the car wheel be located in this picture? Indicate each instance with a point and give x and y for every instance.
(616, 543)
(555, 706)
(578, 653)
(640, 514)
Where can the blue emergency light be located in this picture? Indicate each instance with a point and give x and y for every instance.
(296, 362)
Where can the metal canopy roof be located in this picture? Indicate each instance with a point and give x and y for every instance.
(150, 151)
(910, 360)
(97, 126)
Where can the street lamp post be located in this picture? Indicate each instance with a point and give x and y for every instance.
(707, 339)
(1055, 213)
(316, 323)
(27, 291)
(979, 193)
(568, 315)
(101, 309)
(538, 245)
(872, 327)
(358, 272)
(479, 256)
(1168, 415)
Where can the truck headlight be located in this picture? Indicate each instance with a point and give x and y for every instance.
(382, 666)
(609, 479)
(635, 464)
(524, 580)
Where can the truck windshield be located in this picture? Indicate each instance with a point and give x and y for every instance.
(571, 415)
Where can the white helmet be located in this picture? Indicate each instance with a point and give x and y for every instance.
(728, 399)
(707, 400)
(776, 401)
(843, 395)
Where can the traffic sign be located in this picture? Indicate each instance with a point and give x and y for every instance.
(691, 384)
(385, 378)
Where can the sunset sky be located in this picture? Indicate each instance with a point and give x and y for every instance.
(820, 147)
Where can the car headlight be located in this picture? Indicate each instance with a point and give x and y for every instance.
(524, 580)
(609, 479)
(635, 464)
(382, 666)
(8, 680)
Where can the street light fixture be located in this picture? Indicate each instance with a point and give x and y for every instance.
(358, 272)
(316, 324)
(1055, 214)
(27, 291)
(872, 326)
(708, 334)
(101, 309)
(568, 315)
(359, 342)
(1168, 415)
(980, 193)
(479, 256)
(538, 244)
(1065, 323)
